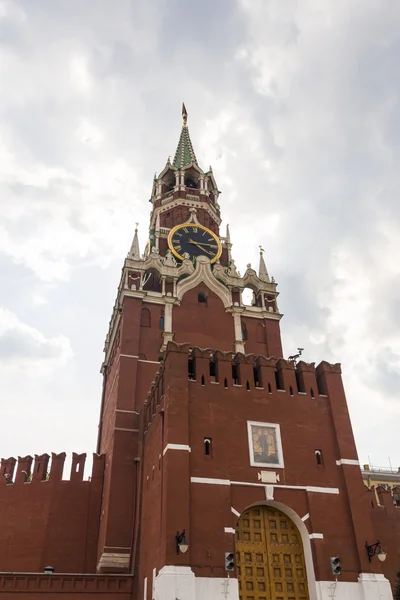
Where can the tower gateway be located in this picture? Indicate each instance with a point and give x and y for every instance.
(222, 470)
(231, 472)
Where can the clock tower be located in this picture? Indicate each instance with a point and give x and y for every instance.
(225, 463)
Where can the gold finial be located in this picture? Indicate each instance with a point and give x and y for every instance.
(261, 250)
(184, 113)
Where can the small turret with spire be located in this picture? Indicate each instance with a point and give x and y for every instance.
(134, 251)
(262, 270)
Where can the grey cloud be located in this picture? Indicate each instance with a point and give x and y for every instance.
(15, 345)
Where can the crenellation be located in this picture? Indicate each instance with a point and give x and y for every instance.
(40, 469)
(8, 469)
(24, 469)
(35, 470)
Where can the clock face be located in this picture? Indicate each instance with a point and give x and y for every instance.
(194, 239)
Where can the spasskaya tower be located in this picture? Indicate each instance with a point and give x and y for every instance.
(223, 461)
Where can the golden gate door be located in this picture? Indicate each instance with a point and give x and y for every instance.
(269, 556)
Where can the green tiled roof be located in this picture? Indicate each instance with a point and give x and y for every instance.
(184, 154)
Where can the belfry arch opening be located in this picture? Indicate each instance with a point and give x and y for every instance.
(270, 558)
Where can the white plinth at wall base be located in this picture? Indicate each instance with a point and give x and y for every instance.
(370, 586)
(179, 583)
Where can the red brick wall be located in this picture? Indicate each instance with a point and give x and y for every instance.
(51, 522)
(193, 411)
(203, 325)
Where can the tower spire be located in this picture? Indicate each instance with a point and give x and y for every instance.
(262, 270)
(134, 251)
(184, 154)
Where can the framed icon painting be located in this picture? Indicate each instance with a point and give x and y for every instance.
(265, 444)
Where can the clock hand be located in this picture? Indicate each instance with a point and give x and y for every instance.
(201, 248)
(202, 244)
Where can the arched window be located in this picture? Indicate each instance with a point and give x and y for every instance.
(145, 318)
(207, 446)
(318, 457)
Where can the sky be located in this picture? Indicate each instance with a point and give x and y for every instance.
(296, 107)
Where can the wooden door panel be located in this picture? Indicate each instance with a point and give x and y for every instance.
(269, 557)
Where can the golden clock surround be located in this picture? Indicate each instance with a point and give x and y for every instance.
(198, 226)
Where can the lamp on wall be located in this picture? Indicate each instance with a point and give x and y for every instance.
(181, 543)
(375, 550)
(48, 570)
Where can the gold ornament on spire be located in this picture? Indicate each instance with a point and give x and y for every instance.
(184, 114)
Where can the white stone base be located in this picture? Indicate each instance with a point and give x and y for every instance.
(179, 583)
(370, 586)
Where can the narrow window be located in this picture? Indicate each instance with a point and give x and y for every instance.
(269, 389)
(255, 376)
(202, 298)
(247, 386)
(203, 382)
(191, 373)
(225, 383)
(213, 371)
(291, 391)
(312, 393)
(162, 321)
(244, 331)
(207, 446)
(235, 375)
(145, 318)
(318, 457)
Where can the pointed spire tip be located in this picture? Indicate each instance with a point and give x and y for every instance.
(184, 113)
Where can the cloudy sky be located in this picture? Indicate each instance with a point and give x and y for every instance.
(296, 107)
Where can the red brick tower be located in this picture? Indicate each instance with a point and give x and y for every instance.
(185, 288)
(222, 469)
(229, 470)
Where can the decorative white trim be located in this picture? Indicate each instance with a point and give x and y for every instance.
(152, 362)
(269, 492)
(311, 488)
(113, 560)
(316, 536)
(210, 481)
(307, 488)
(229, 530)
(176, 447)
(131, 412)
(235, 512)
(203, 274)
(145, 589)
(307, 516)
(126, 429)
(278, 465)
(348, 461)
(128, 356)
